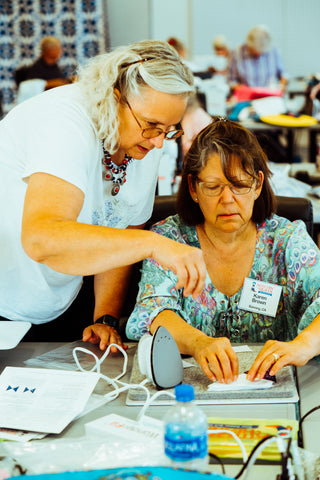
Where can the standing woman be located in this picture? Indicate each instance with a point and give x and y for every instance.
(76, 186)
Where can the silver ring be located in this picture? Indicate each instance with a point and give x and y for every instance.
(276, 356)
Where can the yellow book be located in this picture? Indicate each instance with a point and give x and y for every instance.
(250, 432)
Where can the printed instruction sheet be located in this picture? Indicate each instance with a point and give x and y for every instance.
(43, 400)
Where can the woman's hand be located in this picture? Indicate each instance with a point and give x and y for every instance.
(217, 358)
(104, 335)
(186, 262)
(276, 355)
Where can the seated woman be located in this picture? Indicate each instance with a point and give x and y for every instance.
(263, 273)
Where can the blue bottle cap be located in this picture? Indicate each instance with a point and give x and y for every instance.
(184, 393)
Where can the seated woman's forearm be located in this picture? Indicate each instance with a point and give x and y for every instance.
(185, 335)
(310, 337)
(215, 356)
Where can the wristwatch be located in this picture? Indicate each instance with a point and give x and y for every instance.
(109, 320)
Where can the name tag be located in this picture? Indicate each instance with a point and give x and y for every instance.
(260, 297)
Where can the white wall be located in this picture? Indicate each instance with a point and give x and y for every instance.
(294, 25)
(128, 21)
(170, 18)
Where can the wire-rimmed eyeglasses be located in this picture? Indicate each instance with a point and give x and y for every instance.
(152, 132)
(213, 189)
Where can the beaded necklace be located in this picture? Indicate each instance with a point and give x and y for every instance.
(115, 173)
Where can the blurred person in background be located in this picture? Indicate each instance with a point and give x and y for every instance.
(257, 63)
(46, 66)
(221, 56)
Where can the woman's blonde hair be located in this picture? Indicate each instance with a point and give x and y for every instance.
(129, 68)
(259, 39)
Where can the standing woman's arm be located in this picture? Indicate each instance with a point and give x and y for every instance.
(51, 235)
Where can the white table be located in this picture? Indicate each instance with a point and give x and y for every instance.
(308, 379)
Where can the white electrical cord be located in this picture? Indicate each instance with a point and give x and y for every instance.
(113, 381)
(237, 439)
(297, 460)
(96, 366)
(150, 400)
(283, 434)
(256, 455)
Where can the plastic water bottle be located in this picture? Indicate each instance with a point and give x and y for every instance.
(186, 432)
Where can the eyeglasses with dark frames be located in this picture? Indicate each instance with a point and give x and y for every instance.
(212, 189)
(152, 132)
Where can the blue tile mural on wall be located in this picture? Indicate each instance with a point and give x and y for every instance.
(79, 25)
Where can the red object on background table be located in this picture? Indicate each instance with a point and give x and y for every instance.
(244, 93)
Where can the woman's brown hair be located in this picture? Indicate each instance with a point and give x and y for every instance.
(236, 146)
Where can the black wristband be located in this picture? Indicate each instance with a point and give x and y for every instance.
(109, 320)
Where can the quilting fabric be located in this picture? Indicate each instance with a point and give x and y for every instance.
(80, 25)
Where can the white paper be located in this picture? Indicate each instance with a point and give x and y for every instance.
(43, 400)
(94, 402)
(20, 435)
(269, 106)
(12, 332)
(147, 429)
(242, 348)
(240, 384)
(186, 364)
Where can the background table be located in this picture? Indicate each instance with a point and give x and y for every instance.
(313, 131)
(311, 169)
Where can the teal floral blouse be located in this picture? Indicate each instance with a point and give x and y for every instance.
(285, 255)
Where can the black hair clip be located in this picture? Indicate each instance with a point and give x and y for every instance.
(142, 60)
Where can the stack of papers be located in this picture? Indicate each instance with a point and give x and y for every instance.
(43, 400)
